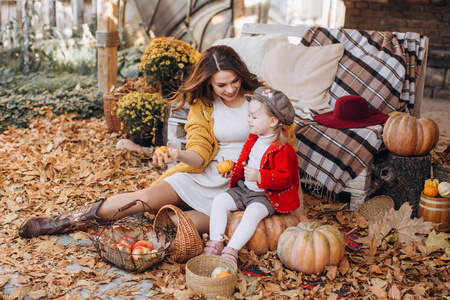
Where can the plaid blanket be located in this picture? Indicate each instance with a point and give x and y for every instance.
(382, 67)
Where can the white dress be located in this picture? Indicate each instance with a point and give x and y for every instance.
(231, 131)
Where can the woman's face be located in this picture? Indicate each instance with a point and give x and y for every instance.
(226, 84)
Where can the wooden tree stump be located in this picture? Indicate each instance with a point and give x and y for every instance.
(402, 178)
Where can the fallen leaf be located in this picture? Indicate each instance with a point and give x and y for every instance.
(436, 242)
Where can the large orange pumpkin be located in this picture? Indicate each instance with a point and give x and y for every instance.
(310, 247)
(405, 135)
(268, 231)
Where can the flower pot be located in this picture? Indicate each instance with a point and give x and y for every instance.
(143, 142)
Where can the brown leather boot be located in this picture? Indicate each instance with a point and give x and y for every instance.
(81, 218)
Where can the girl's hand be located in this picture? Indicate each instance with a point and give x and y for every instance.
(252, 174)
(226, 175)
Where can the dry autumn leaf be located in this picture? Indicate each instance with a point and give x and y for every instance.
(437, 242)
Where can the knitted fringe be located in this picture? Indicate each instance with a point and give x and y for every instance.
(316, 187)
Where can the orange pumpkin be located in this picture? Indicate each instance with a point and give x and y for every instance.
(225, 166)
(431, 191)
(268, 231)
(310, 247)
(163, 150)
(405, 135)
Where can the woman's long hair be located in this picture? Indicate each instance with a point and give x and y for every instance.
(213, 60)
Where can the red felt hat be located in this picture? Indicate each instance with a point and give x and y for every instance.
(351, 111)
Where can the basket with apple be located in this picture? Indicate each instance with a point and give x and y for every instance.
(131, 244)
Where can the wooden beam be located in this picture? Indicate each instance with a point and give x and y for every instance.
(107, 41)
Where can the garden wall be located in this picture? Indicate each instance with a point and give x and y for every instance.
(427, 17)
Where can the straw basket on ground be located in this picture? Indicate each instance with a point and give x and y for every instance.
(198, 276)
(435, 209)
(109, 107)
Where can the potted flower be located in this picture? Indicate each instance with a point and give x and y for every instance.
(167, 61)
(142, 115)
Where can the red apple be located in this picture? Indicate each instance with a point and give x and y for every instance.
(128, 241)
(123, 248)
(138, 252)
(143, 243)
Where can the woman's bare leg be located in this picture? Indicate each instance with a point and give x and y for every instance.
(155, 197)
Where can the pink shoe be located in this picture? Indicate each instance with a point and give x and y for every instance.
(213, 248)
(230, 253)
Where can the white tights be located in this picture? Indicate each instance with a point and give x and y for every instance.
(222, 205)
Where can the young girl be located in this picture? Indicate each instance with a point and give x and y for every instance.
(265, 179)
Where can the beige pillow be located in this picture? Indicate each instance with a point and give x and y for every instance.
(304, 74)
(251, 49)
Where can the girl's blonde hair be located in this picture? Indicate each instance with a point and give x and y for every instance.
(280, 134)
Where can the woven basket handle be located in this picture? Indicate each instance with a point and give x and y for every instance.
(187, 242)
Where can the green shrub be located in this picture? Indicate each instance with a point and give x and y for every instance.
(22, 97)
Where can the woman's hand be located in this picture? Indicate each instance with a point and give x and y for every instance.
(188, 157)
(252, 174)
(163, 158)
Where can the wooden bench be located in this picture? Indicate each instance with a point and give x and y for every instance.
(360, 188)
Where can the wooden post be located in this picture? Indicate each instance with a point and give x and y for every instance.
(107, 41)
(77, 8)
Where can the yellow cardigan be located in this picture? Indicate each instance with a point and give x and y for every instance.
(200, 139)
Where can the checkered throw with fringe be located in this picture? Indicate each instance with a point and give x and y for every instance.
(382, 67)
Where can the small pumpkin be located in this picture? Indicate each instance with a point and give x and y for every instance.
(405, 135)
(310, 247)
(163, 151)
(225, 166)
(444, 189)
(268, 231)
(431, 191)
(432, 182)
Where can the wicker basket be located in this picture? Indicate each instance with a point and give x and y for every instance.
(375, 208)
(198, 276)
(106, 237)
(187, 242)
(109, 107)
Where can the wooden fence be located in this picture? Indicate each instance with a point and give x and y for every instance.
(49, 15)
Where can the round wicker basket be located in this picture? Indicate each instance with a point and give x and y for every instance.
(187, 242)
(375, 208)
(109, 107)
(198, 276)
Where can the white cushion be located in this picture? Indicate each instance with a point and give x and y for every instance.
(304, 74)
(250, 49)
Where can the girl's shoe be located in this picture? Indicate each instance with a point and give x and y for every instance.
(230, 253)
(213, 248)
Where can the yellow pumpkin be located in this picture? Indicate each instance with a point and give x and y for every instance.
(225, 166)
(405, 135)
(432, 182)
(431, 191)
(444, 189)
(268, 231)
(310, 247)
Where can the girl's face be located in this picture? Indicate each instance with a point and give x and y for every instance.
(259, 122)
(227, 85)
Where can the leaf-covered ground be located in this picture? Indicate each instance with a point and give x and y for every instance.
(61, 163)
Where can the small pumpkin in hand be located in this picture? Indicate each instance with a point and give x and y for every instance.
(431, 191)
(225, 166)
(444, 189)
(163, 150)
(310, 247)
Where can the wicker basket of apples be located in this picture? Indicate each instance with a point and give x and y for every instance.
(130, 244)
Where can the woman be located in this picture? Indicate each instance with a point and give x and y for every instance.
(216, 130)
